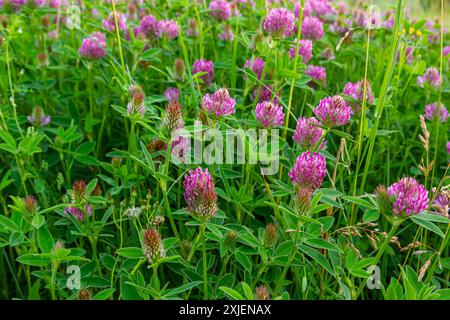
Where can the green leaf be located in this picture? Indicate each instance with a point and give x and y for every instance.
(34, 259)
(231, 293)
(38, 221)
(427, 225)
(359, 201)
(319, 258)
(371, 215)
(104, 294)
(91, 186)
(183, 288)
(131, 252)
(8, 224)
(247, 290)
(244, 260)
(86, 148)
(322, 244)
(45, 240)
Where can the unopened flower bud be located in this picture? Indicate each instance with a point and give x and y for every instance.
(270, 235)
(84, 294)
(262, 293)
(31, 205)
(152, 245)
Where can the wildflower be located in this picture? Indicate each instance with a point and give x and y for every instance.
(93, 46)
(180, 148)
(307, 133)
(199, 193)
(356, 91)
(448, 147)
(174, 116)
(431, 76)
(38, 118)
(303, 200)
(79, 191)
(148, 25)
(227, 34)
(269, 114)
(178, 69)
(265, 94)
(168, 28)
(220, 10)
(256, 65)
(230, 238)
(192, 28)
(110, 22)
(431, 112)
(261, 293)
(84, 294)
(279, 22)
(152, 245)
(30, 205)
(408, 196)
(207, 68)
(328, 54)
(317, 73)
(270, 235)
(172, 94)
(219, 103)
(442, 203)
(312, 28)
(446, 51)
(39, 3)
(304, 50)
(136, 104)
(133, 212)
(77, 213)
(332, 111)
(308, 171)
(383, 199)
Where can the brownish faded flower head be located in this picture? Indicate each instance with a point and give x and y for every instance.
(84, 294)
(174, 116)
(270, 235)
(79, 191)
(152, 245)
(45, 21)
(303, 200)
(179, 69)
(231, 237)
(31, 205)
(383, 199)
(262, 293)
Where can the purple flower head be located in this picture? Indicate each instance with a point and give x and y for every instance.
(265, 94)
(409, 54)
(56, 3)
(279, 22)
(172, 94)
(256, 65)
(308, 171)
(227, 34)
(431, 76)
(317, 73)
(431, 112)
(442, 203)
(308, 133)
(312, 28)
(304, 50)
(110, 23)
(168, 28)
(356, 91)
(199, 193)
(269, 114)
(207, 68)
(448, 147)
(137, 101)
(93, 47)
(38, 118)
(408, 196)
(39, 3)
(219, 103)
(333, 111)
(18, 3)
(316, 7)
(446, 51)
(148, 25)
(77, 213)
(192, 28)
(220, 10)
(180, 148)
